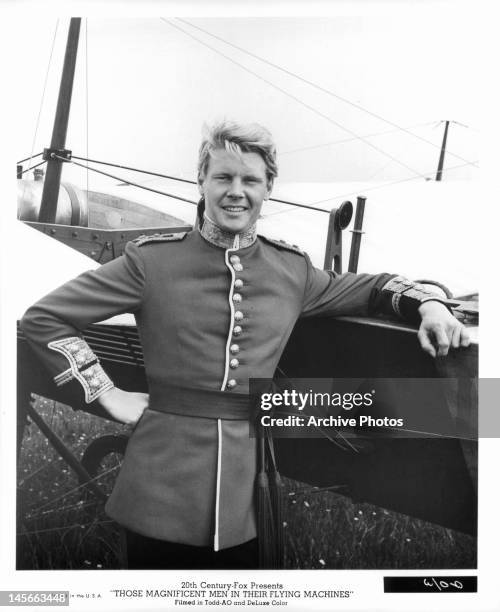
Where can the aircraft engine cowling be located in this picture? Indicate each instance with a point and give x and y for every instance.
(72, 206)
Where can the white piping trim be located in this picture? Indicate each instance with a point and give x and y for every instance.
(235, 247)
(217, 487)
(64, 377)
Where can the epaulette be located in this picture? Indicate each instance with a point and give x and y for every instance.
(142, 240)
(281, 244)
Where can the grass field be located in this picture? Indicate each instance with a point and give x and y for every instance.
(62, 526)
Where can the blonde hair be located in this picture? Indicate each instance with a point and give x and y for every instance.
(238, 138)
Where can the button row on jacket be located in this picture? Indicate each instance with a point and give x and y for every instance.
(238, 316)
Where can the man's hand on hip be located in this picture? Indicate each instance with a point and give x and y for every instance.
(124, 406)
(439, 329)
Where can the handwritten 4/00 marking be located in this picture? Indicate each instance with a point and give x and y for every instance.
(443, 584)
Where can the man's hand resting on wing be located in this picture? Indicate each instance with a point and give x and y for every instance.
(440, 330)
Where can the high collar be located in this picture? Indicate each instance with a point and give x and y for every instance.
(226, 240)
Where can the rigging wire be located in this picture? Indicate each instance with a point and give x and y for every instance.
(37, 124)
(166, 176)
(33, 167)
(44, 90)
(344, 140)
(324, 90)
(30, 158)
(117, 178)
(174, 178)
(87, 97)
(296, 99)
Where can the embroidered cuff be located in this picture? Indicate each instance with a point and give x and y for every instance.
(406, 296)
(84, 367)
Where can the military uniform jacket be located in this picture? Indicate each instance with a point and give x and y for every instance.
(212, 310)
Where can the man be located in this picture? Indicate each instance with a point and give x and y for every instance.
(214, 307)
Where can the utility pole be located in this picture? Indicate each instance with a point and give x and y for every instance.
(443, 151)
(52, 182)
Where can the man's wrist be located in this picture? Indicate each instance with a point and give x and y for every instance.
(104, 398)
(431, 305)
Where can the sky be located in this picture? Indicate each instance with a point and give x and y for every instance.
(144, 88)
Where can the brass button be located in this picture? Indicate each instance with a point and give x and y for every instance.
(234, 259)
(238, 283)
(237, 267)
(234, 363)
(237, 297)
(238, 315)
(231, 384)
(237, 330)
(234, 348)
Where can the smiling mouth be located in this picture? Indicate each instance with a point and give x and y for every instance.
(234, 209)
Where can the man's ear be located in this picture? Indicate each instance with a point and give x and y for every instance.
(270, 183)
(200, 187)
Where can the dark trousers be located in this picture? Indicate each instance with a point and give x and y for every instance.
(148, 553)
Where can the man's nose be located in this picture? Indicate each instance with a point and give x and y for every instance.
(236, 188)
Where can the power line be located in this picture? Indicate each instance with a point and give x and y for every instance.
(322, 89)
(411, 178)
(381, 169)
(352, 193)
(295, 98)
(344, 140)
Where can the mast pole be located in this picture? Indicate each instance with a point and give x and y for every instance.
(52, 182)
(357, 232)
(443, 151)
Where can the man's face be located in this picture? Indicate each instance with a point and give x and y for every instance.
(234, 188)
